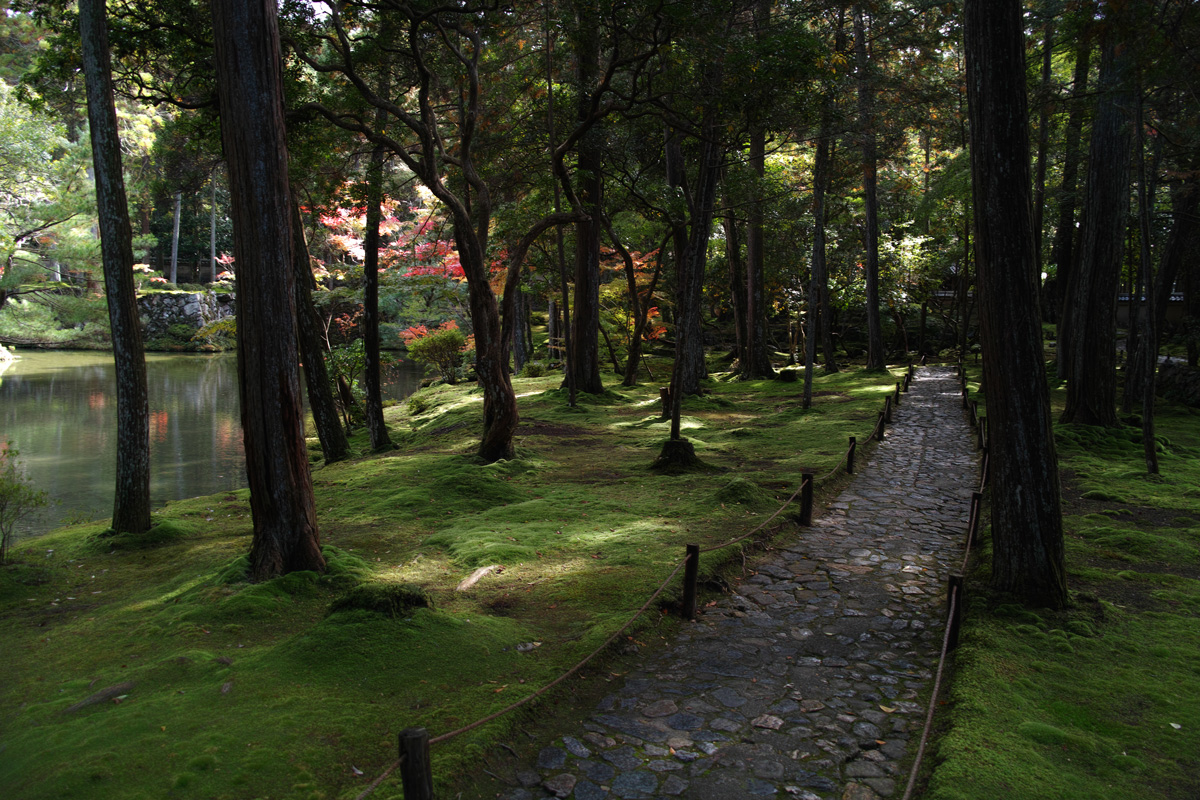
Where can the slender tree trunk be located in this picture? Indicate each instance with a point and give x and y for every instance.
(131, 504)
(818, 289)
(758, 362)
(870, 157)
(376, 427)
(249, 88)
(1182, 241)
(519, 313)
(1027, 532)
(737, 288)
(1148, 347)
(1091, 388)
(1043, 145)
(212, 230)
(1064, 253)
(312, 351)
(174, 273)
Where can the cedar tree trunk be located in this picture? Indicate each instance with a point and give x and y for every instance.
(249, 88)
(1026, 511)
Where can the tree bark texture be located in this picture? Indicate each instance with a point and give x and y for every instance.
(1026, 508)
(870, 157)
(312, 351)
(249, 88)
(737, 286)
(585, 333)
(376, 427)
(758, 361)
(131, 504)
(1064, 235)
(1091, 388)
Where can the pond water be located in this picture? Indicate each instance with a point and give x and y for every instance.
(59, 409)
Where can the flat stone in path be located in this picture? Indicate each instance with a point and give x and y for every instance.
(805, 681)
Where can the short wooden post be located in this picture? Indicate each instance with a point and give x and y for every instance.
(984, 472)
(983, 432)
(416, 770)
(973, 523)
(966, 400)
(850, 456)
(954, 587)
(887, 408)
(806, 497)
(924, 359)
(975, 413)
(879, 425)
(664, 394)
(691, 575)
(896, 397)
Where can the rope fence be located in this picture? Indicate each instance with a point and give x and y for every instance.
(414, 743)
(955, 590)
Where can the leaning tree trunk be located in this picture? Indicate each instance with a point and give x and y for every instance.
(131, 505)
(250, 92)
(312, 351)
(1027, 536)
(1091, 387)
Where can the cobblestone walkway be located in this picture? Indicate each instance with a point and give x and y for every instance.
(804, 682)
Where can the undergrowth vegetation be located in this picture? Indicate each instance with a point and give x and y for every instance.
(1100, 701)
(147, 667)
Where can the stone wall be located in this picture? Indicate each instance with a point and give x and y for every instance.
(194, 309)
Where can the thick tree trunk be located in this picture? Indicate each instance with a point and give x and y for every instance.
(376, 427)
(691, 249)
(1064, 235)
(312, 351)
(1043, 145)
(131, 504)
(1091, 388)
(249, 88)
(1026, 508)
(585, 333)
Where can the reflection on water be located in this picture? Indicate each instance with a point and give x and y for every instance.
(59, 409)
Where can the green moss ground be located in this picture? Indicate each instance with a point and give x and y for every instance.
(1101, 701)
(145, 667)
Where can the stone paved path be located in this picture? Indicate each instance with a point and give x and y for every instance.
(804, 682)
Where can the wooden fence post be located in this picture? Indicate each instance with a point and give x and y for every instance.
(664, 395)
(896, 399)
(955, 586)
(416, 770)
(882, 420)
(984, 472)
(806, 497)
(691, 574)
(850, 456)
(973, 523)
(887, 408)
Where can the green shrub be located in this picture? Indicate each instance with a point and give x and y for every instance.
(442, 348)
(17, 498)
(534, 369)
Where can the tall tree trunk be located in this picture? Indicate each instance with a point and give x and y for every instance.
(1027, 532)
(758, 362)
(250, 92)
(1043, 145)
(1147, 351)
(131, 504)
(870, 157)
(1091, 388)
(520, 356)
(174, 273)
(818, 286)
(212, 229)
(585, 335)
(1064, 253)
(737, 287)
(1182, 241)
(376, 427)
(312, 351)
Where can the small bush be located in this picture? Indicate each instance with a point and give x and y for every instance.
(416, 405)
(18, 499)
(443, 348)
(534, 369)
